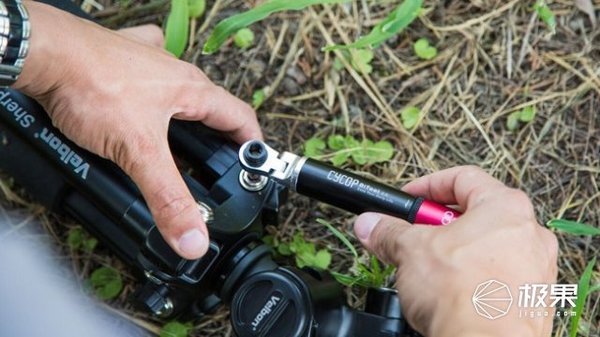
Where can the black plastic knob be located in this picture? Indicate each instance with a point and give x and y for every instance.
(255, 154)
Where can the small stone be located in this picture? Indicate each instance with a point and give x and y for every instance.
(290, 86)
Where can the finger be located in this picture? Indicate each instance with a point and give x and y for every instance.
(148, 34)
(461, 185)
(173, 208)
(384, 236)
(219, 109)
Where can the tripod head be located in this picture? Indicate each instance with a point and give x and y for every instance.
(265, 299)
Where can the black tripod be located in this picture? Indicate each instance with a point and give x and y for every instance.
(265, 299)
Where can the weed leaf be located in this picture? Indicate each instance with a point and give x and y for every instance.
(76, 238)
(175, 329)
(573, 227)
(284, 249)
(314, 147)
(322, 259)
(513, 121)
(546, 14)
(196, 8)
(397, 20)
(410, 117)
(89, 245)
(340, 236)
(340, 158)
(107, 283)
(527, 114)
(258, 98)
(177, 31)
(582, 293)
(361, 60)
(232, 24)
(424, 50)
(244, 38)
(336, 142)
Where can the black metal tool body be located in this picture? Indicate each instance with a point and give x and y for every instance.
(265, 299)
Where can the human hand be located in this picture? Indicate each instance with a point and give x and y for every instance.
(114, 93)
(439, 268)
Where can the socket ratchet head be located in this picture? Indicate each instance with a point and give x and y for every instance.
(259, 158)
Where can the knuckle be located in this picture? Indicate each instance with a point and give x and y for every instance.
(190, 71)
(132, 150)
(156, 35)
(472, 170)
(551, 242)
(388, 241)
(520, 202)
(169, 205)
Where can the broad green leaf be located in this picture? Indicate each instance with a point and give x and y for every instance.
(527, 114)
(196, 8)
(340, 236)
(175, 329)
(380, 152)
(546, 14)
(322, 259)
(337, 64)
(513, 121)
(107, 283)
(340, 158)
(336, 142)
(582, 293)
(232, 24)
(314, 147)
(284, 249)
(424, 50)
(89, 245)
(258, 98)
(351, 142)
(410, 117)
(573, 227)
(244, 38)
(76, 238)
(397, 20)
(177, 31)
(359, 154)
(306, 254)
(362, 153)
(361, 60)
(269, 240)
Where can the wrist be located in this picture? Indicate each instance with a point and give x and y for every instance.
(46, 61)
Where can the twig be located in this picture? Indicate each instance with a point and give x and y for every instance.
(478, 20)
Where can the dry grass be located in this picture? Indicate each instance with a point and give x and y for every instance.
(495, 58)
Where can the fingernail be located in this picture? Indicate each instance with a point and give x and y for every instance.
(193, 243)
(364, 224)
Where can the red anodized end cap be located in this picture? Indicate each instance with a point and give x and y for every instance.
(431, 213)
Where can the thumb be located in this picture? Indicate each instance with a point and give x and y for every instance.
(173, 208)
(386, 237)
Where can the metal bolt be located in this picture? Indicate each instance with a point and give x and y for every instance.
(206, 211)
(252, 182)
(166, 310)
